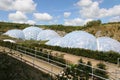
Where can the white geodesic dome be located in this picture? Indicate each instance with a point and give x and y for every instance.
(54, 41)
(108, 44)
(79, 39)
(9, 40)
(47, 35)
(31, 32)
(76, 39)
(15, 33)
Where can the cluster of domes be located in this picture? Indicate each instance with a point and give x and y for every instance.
(82, 39)
(75, 39)
(32, 33)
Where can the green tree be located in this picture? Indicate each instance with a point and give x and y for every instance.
(101, 70)
(93, 23)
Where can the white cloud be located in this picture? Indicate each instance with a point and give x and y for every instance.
(87, 20)
(67, 14)
(18, 5)
(42, 16)
(84, 3)
(114, 11)
(90, 12)
(17, 17)
(31, 22)
(115, 19)
(91, 9)
(20, 17)
(74, 22)
(24, 5)
(100, 1)
(6, 4)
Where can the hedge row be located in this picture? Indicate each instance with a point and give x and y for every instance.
(99, 55)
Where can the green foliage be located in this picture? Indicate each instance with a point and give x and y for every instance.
(87, 68)
(62, 27)
(80, 61)
(80, 66)
(83, 72)
(93, 23)
(100, 72)
(99, 55)
(101, 66)
(4, 26)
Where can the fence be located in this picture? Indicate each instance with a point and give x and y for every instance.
(48, 59)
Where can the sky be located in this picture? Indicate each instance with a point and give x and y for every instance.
(65, 12)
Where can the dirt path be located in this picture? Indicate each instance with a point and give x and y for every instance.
(43, 64)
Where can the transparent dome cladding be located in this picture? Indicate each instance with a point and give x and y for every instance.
(31, 33)
(15, 33)
(47, 35)
(107, 44)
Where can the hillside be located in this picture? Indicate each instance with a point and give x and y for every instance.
(4, 26)
(109, 29)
